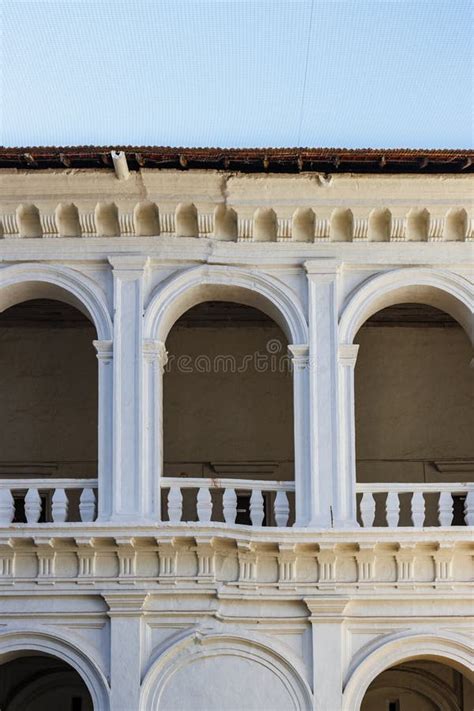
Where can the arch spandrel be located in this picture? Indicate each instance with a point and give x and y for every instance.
(182, 291)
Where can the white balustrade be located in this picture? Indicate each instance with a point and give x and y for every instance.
(35, 492)
(392, 509)
(175, 504)
(367, 509)
(229, 501)
(32, 505)
(370, 494)
(263, 496)
(282, 509)
(257, 512)
(204, 504)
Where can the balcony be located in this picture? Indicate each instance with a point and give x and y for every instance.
(236, 502)
(44, 501)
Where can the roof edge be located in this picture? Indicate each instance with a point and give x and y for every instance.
(248, 160)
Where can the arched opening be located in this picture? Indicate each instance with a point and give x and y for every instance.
(33, 681)
(228, 411)
(413, 416)
(49, 410)
(420, 685)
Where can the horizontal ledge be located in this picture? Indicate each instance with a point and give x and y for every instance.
(21, 484)
(226, 483)
(431, 488)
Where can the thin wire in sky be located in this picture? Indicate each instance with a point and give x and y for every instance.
(300, 122)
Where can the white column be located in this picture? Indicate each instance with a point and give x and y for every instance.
(327, 622)
(127, 648)
(323, 340)
(105, 453)
(304, 491)
(129, 477)
(155, 358)
(345, 509)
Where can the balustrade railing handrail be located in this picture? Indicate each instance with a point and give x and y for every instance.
(43, 484)
(226, 483)
(411, 488)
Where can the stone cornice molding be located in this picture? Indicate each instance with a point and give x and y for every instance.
(307, 220)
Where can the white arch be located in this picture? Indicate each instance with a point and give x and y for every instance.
(414, 679)
(402, 647)
(14, 642)
(186, 647)
(213, 282)
(22, 282)
(444, 290)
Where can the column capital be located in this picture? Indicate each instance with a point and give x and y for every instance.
(155, 351)
(299, 354)
(105, 350)
(347, 354)
(128, 262)
(125, 604)
(323, 609)
(325, 269)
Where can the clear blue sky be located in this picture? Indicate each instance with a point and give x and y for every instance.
(355, 73)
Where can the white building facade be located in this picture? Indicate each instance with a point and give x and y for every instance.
(241, 477)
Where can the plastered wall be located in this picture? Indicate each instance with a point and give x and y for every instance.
(414, 404)
(218, 416)
(48, 400)
(413, 401)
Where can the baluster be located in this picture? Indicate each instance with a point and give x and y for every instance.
(367, 509)
(204, 504)
(87, 505)
(282, 509)
(418, 509)
(392, 508)
(32, 506)
(445, 508)
(7, 506)
(60, 506)
(256, 508)
(229, 501)
(469, 509)
(175, 504)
